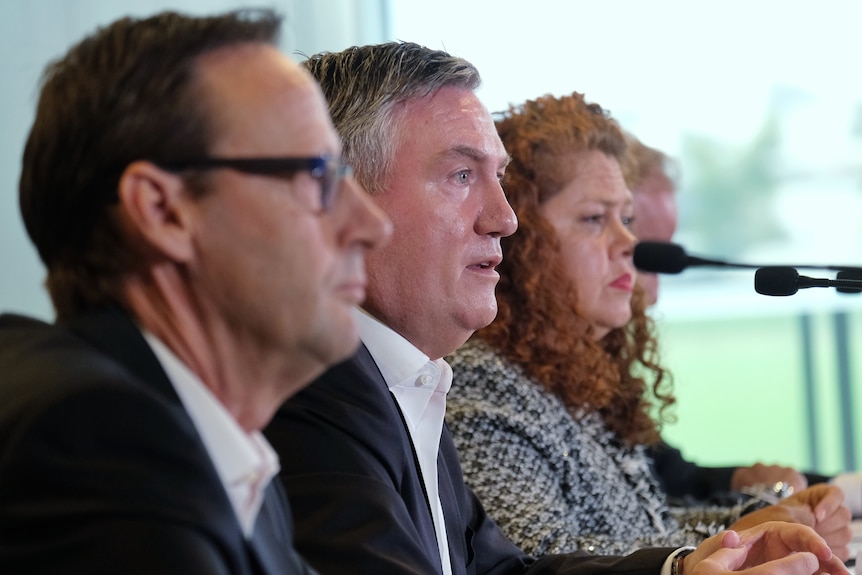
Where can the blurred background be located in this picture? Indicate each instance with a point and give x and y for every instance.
(760, 103)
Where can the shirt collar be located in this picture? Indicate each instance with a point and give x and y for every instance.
(244, 462)
(397, 358)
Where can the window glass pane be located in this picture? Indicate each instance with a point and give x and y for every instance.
(761, 103)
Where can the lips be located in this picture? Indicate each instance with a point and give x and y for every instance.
(624, 282)
(353, 293)
(487, 263)
(352, 288)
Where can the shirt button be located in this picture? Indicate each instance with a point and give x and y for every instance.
(423, 380)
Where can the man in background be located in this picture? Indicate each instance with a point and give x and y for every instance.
(653, 178)
(205, 246)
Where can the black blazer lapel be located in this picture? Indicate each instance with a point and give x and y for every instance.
(271, 541)
(117, 336)
(450, 478)
(424, 522)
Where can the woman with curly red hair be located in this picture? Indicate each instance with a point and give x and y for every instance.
(552, 406)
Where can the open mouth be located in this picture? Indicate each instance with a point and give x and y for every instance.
(488, 264)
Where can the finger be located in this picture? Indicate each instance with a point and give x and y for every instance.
(831, 502)
(795, 564)
(793, 536)
(732, 559)
(836, 526)
(810, 496)
(730, 539)
(788, 511)
(712, 544)
(833, 566)
(842, 552)
(838, 541)
(725, 559)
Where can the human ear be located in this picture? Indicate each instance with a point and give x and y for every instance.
(154, 213)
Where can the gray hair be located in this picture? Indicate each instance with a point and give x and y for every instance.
(363, 86)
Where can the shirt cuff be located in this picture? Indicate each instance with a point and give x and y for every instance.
(667, 567)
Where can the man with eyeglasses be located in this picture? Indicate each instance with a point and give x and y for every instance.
(375, 483)
(204, 246)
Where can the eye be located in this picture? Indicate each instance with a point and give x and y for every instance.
(462, 177)
(628, 221)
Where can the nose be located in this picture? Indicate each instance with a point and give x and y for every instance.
(496, 217)
(360, 220)
(624, 240)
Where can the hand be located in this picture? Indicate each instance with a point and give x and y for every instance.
(732, 555)
(820, 507)
(760, 474)
(774, 548)
(799, 513)
(831, 516)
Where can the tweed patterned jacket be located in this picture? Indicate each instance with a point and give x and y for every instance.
(557, 481)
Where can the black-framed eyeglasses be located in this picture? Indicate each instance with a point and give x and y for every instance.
(327, 170)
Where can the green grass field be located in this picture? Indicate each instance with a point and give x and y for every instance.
(741, 393)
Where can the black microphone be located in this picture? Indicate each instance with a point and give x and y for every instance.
(670, 258)
(784, 281)
(848, 275)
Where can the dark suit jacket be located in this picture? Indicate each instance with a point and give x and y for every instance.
(682, 478)
(103, 471)
(359, 500)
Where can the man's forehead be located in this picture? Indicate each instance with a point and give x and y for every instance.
(236, 55)
(259, 96)
(496, 156)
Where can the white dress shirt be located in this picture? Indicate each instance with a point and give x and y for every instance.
(419, 386)
(245, 462)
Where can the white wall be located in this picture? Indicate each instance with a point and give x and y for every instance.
(33, 32)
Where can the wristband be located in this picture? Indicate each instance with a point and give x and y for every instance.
(676, 566)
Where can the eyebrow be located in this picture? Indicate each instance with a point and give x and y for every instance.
(625, 203)
(475, 155)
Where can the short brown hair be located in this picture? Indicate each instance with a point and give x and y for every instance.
(123, 94)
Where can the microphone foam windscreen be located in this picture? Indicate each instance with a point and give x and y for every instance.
(777, 280)
(849, 275)
(660, 257)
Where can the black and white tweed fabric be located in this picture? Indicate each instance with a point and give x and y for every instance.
(557, 481)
